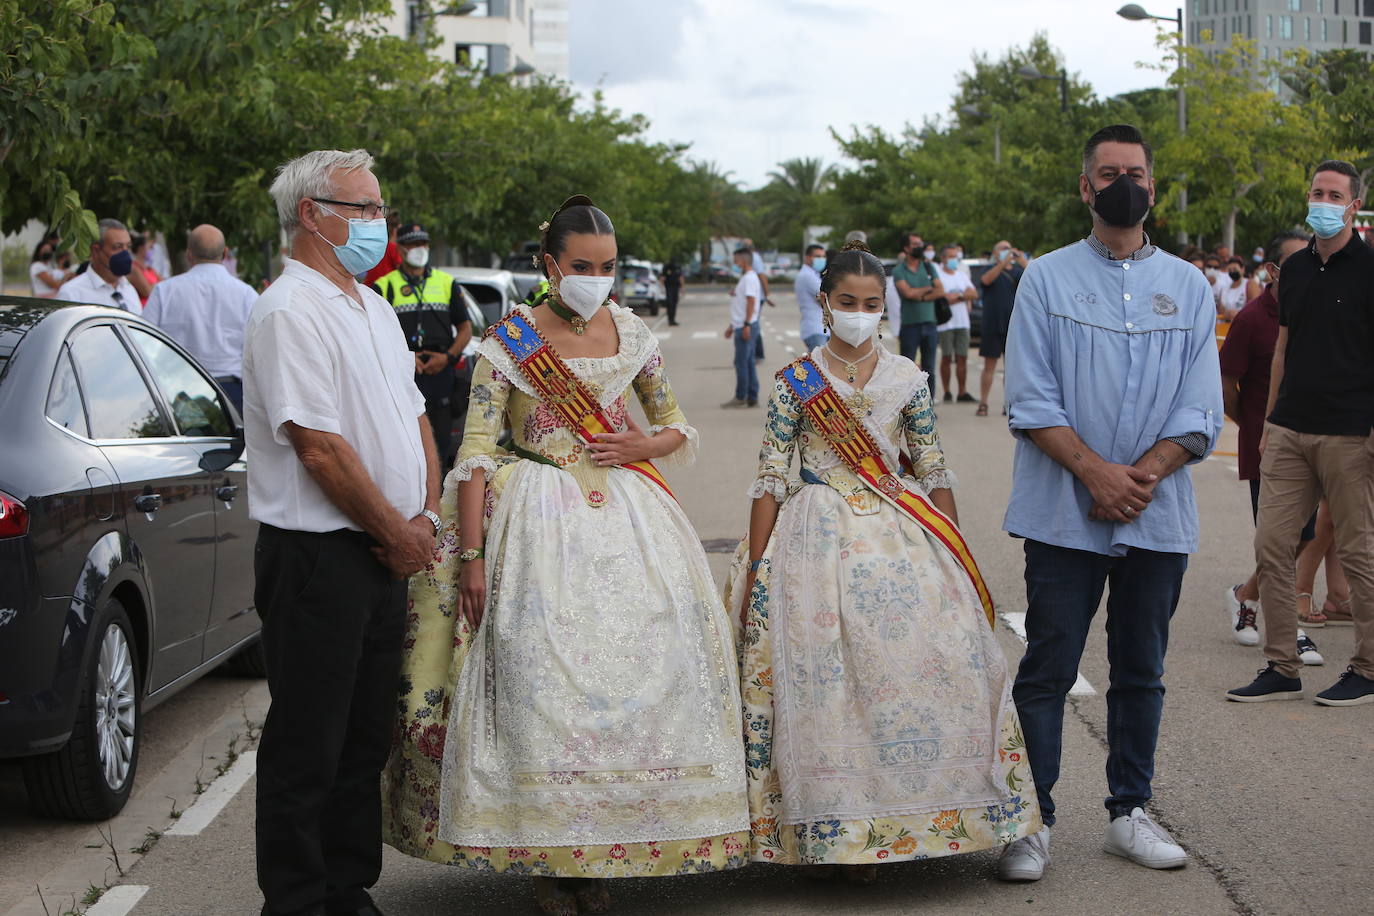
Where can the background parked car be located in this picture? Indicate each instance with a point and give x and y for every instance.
(494, 290)
(126, 551)
(640, 286)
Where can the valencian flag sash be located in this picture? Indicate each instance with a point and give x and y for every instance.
(565, 394)
(850, 440)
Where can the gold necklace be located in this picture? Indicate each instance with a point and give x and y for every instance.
(850, 369)
(579, 324)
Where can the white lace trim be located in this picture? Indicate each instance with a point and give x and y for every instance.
(685, 455)
(941, 479)
(769, 485)
(463, 469)
(610, 374)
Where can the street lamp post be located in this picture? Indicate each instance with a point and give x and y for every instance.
(418, 16)
(1030, 72)
(973, 111)
(1136, 13)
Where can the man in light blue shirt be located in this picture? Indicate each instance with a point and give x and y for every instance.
(205, 310)
(807, 287)
(1113, 386)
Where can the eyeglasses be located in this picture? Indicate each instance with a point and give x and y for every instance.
(367, 210)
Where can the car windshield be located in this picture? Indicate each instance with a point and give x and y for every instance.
(639, 273)
(485, 295)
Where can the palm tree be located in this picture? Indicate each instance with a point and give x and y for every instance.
(791, 199)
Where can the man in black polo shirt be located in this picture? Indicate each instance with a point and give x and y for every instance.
(1317, 440)
(429, 304)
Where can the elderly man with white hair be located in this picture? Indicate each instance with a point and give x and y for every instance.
(205, 310)
(345, 484)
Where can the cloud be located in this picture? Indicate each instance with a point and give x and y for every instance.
(751, 82)
(616, 42)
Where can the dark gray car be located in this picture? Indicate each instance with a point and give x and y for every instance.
(125, 546)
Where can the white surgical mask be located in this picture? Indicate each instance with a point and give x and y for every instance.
(854, 327)
(584, 295)
(418, 257)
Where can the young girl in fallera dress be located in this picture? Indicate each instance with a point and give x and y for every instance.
(878, 718)
(570, 703)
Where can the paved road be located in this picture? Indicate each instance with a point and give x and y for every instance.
(1270, 799)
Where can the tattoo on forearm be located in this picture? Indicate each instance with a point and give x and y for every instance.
(1077, 456)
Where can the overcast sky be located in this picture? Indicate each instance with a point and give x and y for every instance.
(752, 82)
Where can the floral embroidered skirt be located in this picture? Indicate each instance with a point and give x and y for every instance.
(878, 719)
(437, 643)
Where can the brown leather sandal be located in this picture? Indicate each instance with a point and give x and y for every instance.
(1313, 620)
(982, 410)
(1338, 613)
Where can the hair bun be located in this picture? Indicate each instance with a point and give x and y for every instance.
(856, 245)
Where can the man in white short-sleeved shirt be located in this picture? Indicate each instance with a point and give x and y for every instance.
(345, 482)
(744, 319)
(954, 334)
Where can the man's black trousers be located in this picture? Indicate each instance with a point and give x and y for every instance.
(333, 619)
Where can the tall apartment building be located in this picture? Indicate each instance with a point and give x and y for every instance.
(497, 36)
(1279, 26)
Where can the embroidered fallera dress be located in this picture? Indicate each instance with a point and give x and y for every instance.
(878, 718)
(590, 727)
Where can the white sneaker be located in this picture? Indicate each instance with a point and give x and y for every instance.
(1307, 650)
(1242, 616)
(1025, 859)
(1144, 842)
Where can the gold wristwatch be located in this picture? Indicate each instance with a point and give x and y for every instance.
(472, 553)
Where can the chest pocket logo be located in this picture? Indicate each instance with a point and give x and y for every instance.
(1164, 305)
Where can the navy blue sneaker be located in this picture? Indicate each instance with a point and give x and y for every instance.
(1351, 690)
(1269, 685)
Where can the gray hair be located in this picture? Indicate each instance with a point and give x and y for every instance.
(105, 225)
(312, 175)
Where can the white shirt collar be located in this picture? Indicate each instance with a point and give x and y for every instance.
(322, 284)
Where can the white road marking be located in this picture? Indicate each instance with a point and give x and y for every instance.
(790, 351)
(704, 335)
(118, 900)
(664, 335)
(1016, 622)
(794, 333)
(205, 808)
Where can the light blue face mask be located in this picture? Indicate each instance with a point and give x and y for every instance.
(1327, 220)
(365, 246)
(1004, 254)
(952, 264)
(818, 264)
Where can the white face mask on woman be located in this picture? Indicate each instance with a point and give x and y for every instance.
(584, 295)
(854, 327)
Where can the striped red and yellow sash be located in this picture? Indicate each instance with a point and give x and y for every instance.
(849, 439)
(560, 388)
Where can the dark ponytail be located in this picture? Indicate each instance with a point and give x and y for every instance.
(577, 216)
(854, 259)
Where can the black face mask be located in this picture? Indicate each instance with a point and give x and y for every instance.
(1123, 203)
(1233, 274)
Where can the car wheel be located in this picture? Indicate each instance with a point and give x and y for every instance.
(250, 661)
(90, 778)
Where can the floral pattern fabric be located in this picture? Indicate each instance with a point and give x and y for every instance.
(859, 617)
(590, 727)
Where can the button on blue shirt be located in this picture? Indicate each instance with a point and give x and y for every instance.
(1124, 353)
(807, 287)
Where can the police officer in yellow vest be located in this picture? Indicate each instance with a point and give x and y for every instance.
(434, 317)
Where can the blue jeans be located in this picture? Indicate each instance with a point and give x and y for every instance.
(1063, 590)
(814, 341)
(746, 373)
(920, 336)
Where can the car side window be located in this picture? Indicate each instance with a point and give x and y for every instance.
(64, 398)
(120, 404)
(195, 403)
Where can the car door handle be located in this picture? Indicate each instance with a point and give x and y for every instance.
(148, 502)
(227, 493)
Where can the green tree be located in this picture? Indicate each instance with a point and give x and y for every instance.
(1248, 152)
(793, 199)
(62, 62)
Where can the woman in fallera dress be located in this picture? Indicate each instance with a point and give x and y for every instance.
(878, 718)
(570, 704)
